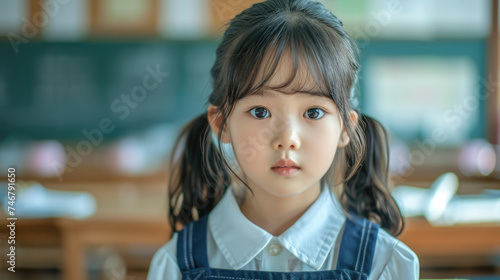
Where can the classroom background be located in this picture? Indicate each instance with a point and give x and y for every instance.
(94, 92)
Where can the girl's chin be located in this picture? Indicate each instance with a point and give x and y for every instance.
(286, 191)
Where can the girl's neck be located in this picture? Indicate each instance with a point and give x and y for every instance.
(276, 214)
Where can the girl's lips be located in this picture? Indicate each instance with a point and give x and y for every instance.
(285, 163)
(285, 171)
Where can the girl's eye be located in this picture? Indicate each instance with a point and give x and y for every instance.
(314, 113)
(259, 112)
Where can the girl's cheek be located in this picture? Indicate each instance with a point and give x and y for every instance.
(246, 144)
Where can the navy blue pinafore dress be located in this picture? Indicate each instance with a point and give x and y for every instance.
(354, 262)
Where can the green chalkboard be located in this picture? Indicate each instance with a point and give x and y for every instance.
(57, 89)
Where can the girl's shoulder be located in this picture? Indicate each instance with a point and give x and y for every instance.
(393, 257)
(387, 242)
(168, 249)
(163, 265)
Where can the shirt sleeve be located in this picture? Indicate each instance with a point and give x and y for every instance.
(403, 264)
(164, 263)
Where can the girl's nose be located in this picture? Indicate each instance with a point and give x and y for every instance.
(287, 137)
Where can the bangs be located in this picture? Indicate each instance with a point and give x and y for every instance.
(303, 51)
(295, 71)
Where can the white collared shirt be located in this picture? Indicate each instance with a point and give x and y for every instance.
(310, 244)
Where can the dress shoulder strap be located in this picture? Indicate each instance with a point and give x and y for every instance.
(358, 244)
(192, 245)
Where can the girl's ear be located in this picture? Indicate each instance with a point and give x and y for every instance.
(215, 120)
(344, 137)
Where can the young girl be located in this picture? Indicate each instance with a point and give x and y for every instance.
(303, 190)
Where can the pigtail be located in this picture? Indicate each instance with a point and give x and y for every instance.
(366, 192)
(197, 178)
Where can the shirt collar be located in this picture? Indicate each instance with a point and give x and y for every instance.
(310, 238)
(229, 227)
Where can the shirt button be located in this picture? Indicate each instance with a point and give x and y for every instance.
(274, 249)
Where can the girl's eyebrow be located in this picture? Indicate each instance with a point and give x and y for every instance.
(314, 95)
(304, 91)
(266, 93)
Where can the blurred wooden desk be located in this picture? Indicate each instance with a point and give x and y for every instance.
(128, 213)
(452, 246)
(75, 236)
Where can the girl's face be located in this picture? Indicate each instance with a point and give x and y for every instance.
(295, 126)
